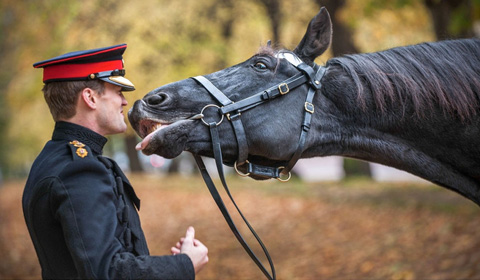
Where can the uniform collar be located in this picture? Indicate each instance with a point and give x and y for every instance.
(70, 131)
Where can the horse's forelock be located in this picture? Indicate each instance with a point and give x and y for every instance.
(270, 51)
(266, 50)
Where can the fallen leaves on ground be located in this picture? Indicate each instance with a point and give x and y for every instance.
(343, 230)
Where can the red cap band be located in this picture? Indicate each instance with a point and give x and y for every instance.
(69, 71)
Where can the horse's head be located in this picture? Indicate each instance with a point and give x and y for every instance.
(164, 116)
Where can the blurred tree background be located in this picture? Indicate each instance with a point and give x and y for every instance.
(173, 40)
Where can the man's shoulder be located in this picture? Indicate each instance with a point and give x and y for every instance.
(57, 155)
(55, 158)
(68, 163)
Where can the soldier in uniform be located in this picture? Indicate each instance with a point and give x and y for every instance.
(79, 207)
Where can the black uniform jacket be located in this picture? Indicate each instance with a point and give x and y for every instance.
(80, 211)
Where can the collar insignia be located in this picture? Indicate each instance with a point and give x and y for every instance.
(77, 144)
(81, 151)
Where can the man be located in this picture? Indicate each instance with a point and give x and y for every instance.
(80, 208)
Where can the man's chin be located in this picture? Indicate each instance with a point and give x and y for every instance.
(121, 128)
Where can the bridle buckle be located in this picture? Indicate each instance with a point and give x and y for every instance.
(283, 88)
(309, 107)
(230, 117)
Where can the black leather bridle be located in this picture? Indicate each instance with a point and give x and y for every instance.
(232, 111)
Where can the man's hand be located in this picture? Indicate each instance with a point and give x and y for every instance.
(193, 248)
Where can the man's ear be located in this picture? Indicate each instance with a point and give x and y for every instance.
(89, 98)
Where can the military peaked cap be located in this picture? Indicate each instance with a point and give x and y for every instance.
(104, 63)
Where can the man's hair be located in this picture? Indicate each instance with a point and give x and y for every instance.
(62, 97)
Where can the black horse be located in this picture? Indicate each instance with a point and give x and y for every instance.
(415, 108)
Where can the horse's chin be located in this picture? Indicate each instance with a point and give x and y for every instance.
(242, 169)
(258, 178)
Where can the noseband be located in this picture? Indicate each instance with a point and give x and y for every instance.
(233, 111)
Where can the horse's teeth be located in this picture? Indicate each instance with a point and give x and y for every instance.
(154, 127)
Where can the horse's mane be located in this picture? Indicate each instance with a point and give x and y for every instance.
(446, 73)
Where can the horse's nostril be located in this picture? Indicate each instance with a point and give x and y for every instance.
(156, 99)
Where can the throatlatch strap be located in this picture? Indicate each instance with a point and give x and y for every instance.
(314, 81)
(307, 119)
(218, 200)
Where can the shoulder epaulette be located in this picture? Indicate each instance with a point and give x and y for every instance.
(79, 149)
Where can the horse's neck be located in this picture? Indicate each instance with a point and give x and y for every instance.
(342, 127)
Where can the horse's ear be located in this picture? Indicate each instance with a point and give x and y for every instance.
(317, 39)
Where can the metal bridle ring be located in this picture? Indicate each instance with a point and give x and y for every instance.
(238, 172)
(210, 105)
(280, 172)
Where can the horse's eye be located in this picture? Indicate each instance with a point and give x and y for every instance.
(260, 66)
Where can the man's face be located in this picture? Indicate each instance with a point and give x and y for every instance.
(110, 116)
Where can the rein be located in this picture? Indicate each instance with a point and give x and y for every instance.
(232, 111)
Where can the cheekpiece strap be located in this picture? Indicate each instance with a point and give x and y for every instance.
(213, 90)
(233, 116)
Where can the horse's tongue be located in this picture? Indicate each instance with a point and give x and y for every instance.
(155, 160)
(142, 145)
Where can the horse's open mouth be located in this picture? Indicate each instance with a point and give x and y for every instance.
(154, 135)
(148, 126)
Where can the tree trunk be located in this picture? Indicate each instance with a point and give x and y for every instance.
(342, 41)
(442, 15)
(274, 13)
(134, 160)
